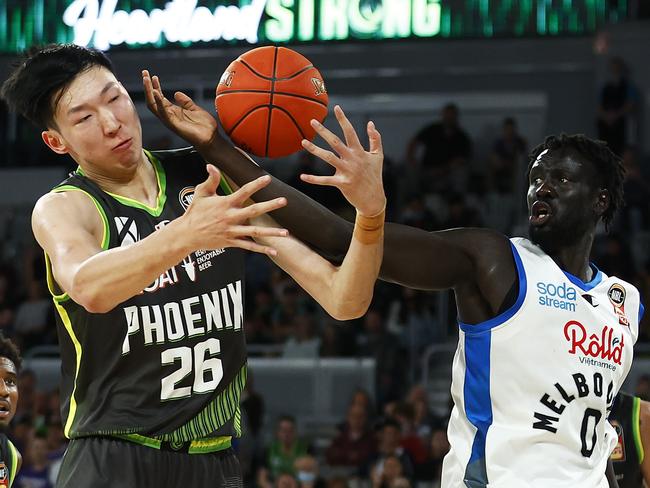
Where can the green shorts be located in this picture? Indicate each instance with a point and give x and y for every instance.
(106, 462)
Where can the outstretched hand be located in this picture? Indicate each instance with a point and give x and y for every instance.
(358, 172)
(184, 117)
(214, 221)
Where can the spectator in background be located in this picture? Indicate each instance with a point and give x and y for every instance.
(635, 216)
(390, 445)
(22, 431)
(253, 404)
(8, 298)
(35, 470)
(362, 398)
(387, 471)
(411, 319)
(303, 342)
(507, 152)
(460, 214)
(423, 420)
(431, 471)
(307, 472)
(617, 109)
(284, 480)
(446, 150)
(282, 452)
(258, 317)
(34, 321)
(291, 304)
(642, 389)
(355, 444)
(416, 214)
(332, 344)
(376, 342)
(337, 482)
(400, 482)
(615, 257)
(56, 445)
(326, 195)
(417, 450)
(28, 401)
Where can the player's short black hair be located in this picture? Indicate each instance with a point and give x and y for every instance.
(10, 351)
(609, 165)
(36, 83)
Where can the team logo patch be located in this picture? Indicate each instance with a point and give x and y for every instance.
(616, 294)
(185, 196)
(618, 454)
(127, 231)
(4, 473)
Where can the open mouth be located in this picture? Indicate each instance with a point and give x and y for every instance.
(5, 409)
(540, 212)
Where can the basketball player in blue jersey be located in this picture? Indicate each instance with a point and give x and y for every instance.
(10, 362)
(545, 337)
(145, 267)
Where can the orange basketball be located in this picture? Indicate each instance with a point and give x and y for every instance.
(266, 98)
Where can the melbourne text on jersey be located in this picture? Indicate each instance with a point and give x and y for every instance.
(194, 316)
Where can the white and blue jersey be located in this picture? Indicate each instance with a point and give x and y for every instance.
(532, 387)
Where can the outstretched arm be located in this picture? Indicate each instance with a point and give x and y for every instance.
(412, 257)
(344, 291)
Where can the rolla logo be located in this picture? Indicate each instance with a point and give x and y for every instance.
(605, 346)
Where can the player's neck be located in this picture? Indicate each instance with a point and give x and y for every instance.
(138, 183)
(574, 258)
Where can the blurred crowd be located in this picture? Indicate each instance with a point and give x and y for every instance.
(390, 438)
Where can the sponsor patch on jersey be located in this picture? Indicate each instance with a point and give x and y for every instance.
(562, 296)
(127, 231)
(185, 196)
(618, 454)
(603, 346)
(616, 294)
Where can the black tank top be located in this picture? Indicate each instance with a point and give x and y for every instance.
(8, 462)
(169, 363)
(626, 457)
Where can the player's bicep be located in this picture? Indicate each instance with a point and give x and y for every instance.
(424, 260)
(70, 230)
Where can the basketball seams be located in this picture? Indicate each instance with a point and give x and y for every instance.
(285, 94)
(273, 78)
(268, 120)
(295, 122)
(286, 85)
(243, 117)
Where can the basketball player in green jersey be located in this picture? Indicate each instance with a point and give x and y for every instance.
(146, 272)
(630, 416)
(10, 361)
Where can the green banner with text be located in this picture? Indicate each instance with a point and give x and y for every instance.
(132, 24)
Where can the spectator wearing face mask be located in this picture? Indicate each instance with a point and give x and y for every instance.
(307, 473)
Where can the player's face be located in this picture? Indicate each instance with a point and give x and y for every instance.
(97, 124)
(8, 391)
(563, 196)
